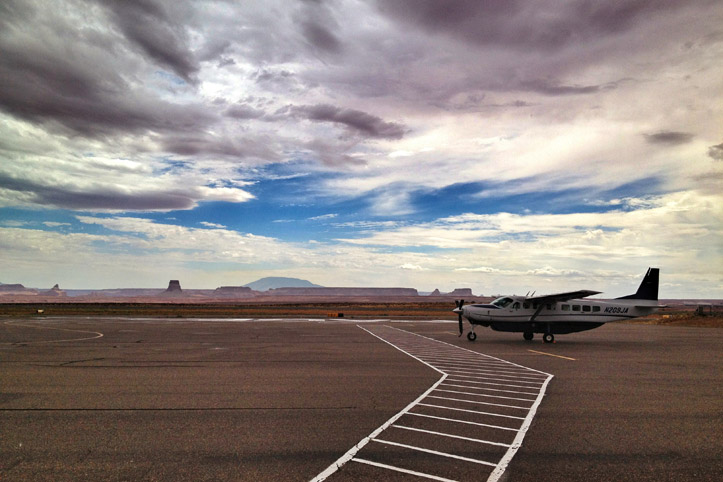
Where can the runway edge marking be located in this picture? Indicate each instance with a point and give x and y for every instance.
(500, 467)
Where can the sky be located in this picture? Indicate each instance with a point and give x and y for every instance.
(505, 146)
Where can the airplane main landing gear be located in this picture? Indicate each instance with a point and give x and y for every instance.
(471, 336)
(548, 338)
(528, 335)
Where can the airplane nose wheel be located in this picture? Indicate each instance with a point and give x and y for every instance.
(548, 338)
(528, 335)
(471, 336)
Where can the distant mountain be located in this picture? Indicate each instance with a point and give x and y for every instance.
(265, 284)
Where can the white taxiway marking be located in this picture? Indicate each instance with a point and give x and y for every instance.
(480, 371)
(46, 327)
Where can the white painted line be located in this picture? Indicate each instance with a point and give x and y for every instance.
(454, 378)
(508, 363)
(435, 452)
(449, 435)
(404, 471)
(353, 451)
(471, 365)
(517, 443)
(485, 388)
(45, 327)
(478, 402)
(445, 357)
(491, 372)
(550, 354)
(477, 412)
(486, 377)
(467, 422)
(485, 395)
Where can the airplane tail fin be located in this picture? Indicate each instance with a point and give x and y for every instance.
(648, 289)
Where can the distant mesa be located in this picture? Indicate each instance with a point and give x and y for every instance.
(459, 292)
(16, 289)
(54, 291)
(174, 286)
(355, 292)
(233, 292)
(264, 289)
(275, 282)
(12, 287)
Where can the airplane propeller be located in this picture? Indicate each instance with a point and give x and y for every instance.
(459, 311)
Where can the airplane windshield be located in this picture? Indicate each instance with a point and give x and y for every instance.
(502, 302)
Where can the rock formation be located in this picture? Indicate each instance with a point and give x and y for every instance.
(16, 289)
(54, 291)
(233, 292)
(368, 292)
(174, 286)
(461, 292)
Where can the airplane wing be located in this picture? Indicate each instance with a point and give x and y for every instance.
(570, 295)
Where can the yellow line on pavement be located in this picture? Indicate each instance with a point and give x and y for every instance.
(550, 354)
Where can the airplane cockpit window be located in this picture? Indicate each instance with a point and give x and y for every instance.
(502, 302)
(516, 305)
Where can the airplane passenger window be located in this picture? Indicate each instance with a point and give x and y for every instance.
(585, 308)
(526, 305)
(575, 307)
(595, 309)
(565, 307)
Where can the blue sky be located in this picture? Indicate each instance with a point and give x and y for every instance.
(501, 146)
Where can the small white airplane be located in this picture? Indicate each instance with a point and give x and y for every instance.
(560, 313)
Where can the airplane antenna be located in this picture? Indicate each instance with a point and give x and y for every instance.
(528, 293)
(533, 293)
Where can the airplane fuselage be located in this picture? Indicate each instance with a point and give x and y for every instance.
(559, 313)
(513, 309)
(513, 314)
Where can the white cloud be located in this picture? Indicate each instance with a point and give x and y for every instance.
(363, 100)
(323, 217)
(480, 269)
(212, 225)
(412, 267)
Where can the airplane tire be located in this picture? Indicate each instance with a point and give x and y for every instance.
(548, 338)
(528, 335)
(471, 336)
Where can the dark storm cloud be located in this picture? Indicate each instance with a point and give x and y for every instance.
(519, 24)
(318, 25)
(669, 138)
(243, 111)
(240, 148)
(320, 37)
(149, 25)
(547, 87)
(356, 120)
(716, 152)
(103, 199)
(57, 73)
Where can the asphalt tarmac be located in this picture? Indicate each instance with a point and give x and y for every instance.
(282, 400)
